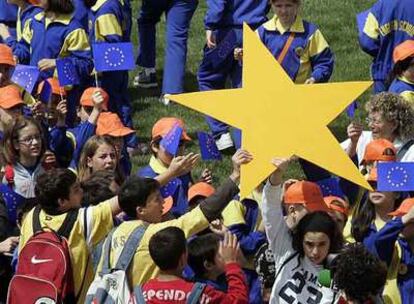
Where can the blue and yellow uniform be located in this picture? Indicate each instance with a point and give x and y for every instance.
(384, 246)
(308, 55)
(387, 25)
(222, 17)
(23, 17)
(178, 17)
(402, 86)
(176, 188)
(81, 13)
(244, 219)
(62, 37)
(109, 23)
(8, 16)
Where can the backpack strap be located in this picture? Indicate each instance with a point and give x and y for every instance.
(68, 223)
(289, 258)
(196, 293)
(130, 247)
(405, 148)
(106, 253)
(36, 220)
(286, 47)
(139, 295)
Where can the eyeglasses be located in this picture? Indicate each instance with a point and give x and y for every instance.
(370, 120)
(29, 140)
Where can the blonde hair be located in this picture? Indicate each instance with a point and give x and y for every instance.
(89, 150)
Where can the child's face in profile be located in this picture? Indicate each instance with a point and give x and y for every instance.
(52, 114)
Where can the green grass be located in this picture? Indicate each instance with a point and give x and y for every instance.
(336, 20)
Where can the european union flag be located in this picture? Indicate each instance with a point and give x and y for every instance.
(170, 188)
(208, 147)
(395, 176)
(330, 187)
(25, 76)
(224, 49)
(350, 111)
(113, 56)
(237, 138)
(171, 141)
(12, 200)
(46, 92)
(66, 71)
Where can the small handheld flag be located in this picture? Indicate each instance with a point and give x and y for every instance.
(113, 56)
(171, 141)
(25, 76)
(350, 111)
(46, 92)
(237, 138)
(395, 176)
(330, 187)
(208, 147)
(170, 188)
(66, 71)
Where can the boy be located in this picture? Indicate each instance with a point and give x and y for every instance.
(141, 200)
(58, 192)
(168, 250)
(161, 160)
(197, 193)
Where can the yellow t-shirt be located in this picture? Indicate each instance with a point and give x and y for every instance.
(98, 224)
(143, 268)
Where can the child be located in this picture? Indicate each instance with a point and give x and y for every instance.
(338, 210)
(27, 10)
(403, 71)
(54, 34)
(110, 125)
(168, 250)
(223, 20)
(161, 160)
(141, 200)
(108, 23)
(398, 232)
(298, 45)
(11, 105)
(379, 36)
(58, 194)
(178, 17)
(197, 193)
(8, 16)
(99, 153)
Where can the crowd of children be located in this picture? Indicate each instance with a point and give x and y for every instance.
(162, 234)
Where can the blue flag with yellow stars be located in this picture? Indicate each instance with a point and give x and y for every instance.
(46, 92)
(12, 200)
(25, 76)
(208, 147)
(170, 188)
(113, 56)
(237, 138)
(171, 141)
(66, 71)
(395, 176)
(330, 187)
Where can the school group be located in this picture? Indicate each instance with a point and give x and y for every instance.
(77, 226)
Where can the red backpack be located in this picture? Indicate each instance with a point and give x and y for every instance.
(44, 270)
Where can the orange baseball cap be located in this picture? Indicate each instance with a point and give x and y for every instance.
(54, 84)
(200, 189)
(168, 203)
(165, 124)
(403, 51)
(380, 150)
(110, 124)
(335, 203)
(405, 206)
(86, 98)
(306, 193)
(6, 55)
(10, 96)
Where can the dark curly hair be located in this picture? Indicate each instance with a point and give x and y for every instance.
(319, 221)
(358, 273)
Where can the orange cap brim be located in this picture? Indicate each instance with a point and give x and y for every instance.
(168, 203)
(121, 132)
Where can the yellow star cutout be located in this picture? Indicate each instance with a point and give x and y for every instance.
(279, 118)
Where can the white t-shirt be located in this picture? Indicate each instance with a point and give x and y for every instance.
(366, 138)
(297, 281)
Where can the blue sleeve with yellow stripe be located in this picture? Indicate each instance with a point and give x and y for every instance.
(321, 57)
(384, 240)
(61, 145)
(81, 134)
(21, 48)
(107, 22)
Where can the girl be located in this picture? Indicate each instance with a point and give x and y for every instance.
(52, 34)
(99, 153)
(11, 105)
(301, 255)
(23, 150)
(403, 71)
